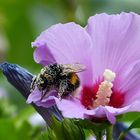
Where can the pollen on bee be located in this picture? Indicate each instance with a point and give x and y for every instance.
(74, 78)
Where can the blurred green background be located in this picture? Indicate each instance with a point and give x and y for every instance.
(21, 21)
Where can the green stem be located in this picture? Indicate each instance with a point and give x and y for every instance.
(109, 131)
(99, 135)
(121, 137)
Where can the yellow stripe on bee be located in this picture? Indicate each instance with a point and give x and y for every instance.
(74, 78)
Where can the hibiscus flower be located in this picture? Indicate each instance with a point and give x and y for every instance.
(109, 47)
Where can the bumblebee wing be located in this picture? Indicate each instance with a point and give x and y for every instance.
(74, 67)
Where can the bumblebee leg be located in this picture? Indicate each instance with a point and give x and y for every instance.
(62, 89)
(44, 92)
(60, 93)
(33, 84)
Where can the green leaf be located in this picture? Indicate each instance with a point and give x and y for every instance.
(72, 131)
(66, 129)
(57, 128)
(88, 124)
(129, 117)
(97, 128)
(135, 124)
(47, 135)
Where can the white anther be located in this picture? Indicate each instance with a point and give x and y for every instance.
(109, 75)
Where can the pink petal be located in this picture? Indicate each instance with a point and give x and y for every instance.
(134, 107)
(70, 108)
(100, 112)
(47, 101)
(67, 44)
(115, 41)
(43, 55)
(73, 109)
(111, 112)
(131, 84)
(34, 96)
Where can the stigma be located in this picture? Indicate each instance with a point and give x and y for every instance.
(105, 89)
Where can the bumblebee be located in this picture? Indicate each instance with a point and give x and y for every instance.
(60, 77)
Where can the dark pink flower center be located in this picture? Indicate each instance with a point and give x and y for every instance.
(88, 96)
